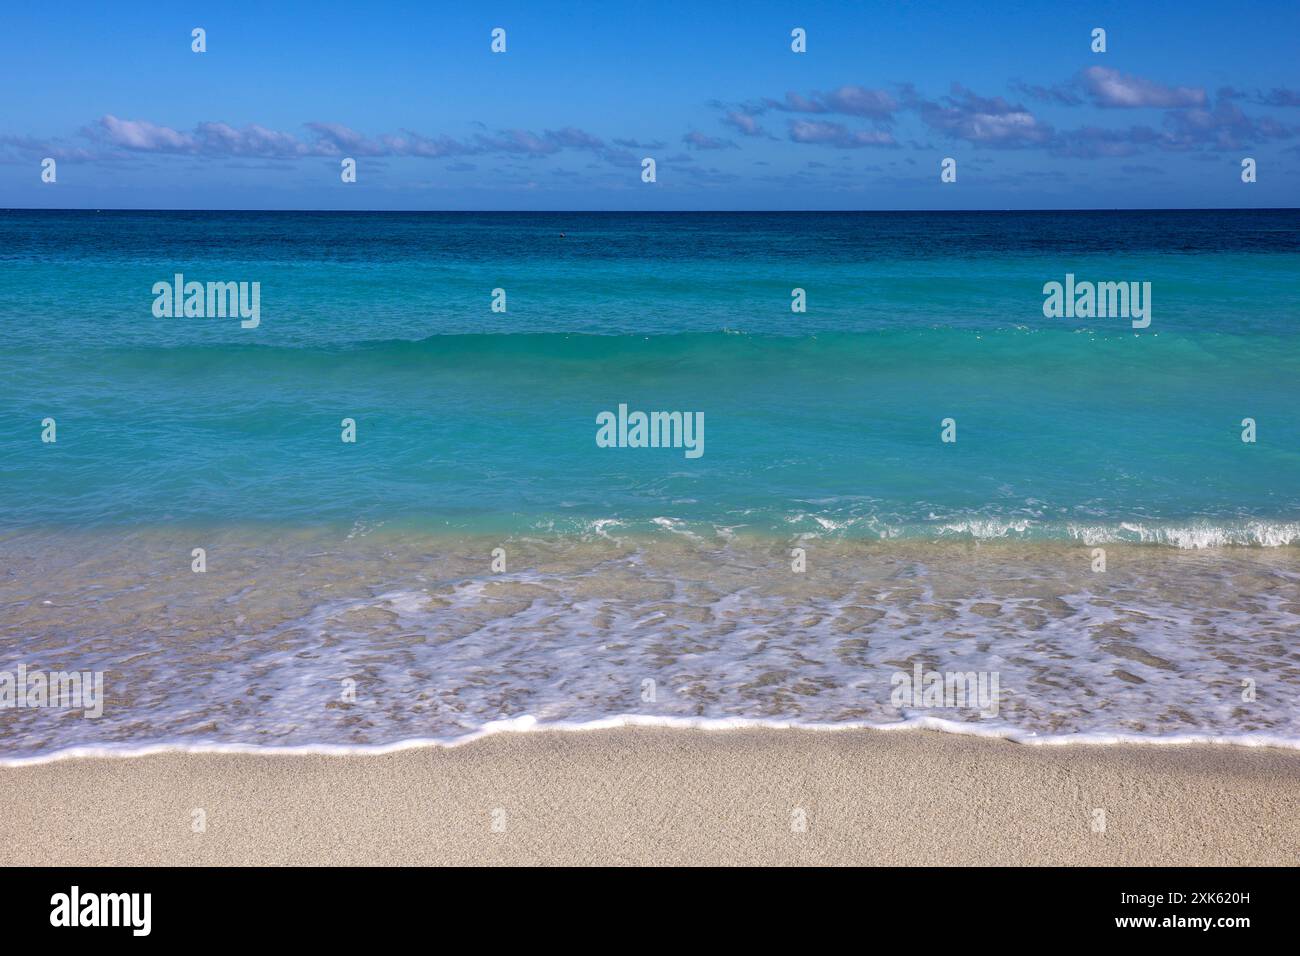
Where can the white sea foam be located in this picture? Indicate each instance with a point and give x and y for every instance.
(726, 633)
(1192, 536)
(529, 724)
(860, 517)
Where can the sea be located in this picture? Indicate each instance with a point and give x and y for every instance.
(386, 513)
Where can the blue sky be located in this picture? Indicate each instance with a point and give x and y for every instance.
(712, 91)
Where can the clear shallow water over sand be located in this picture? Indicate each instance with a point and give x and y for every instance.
(256, 650)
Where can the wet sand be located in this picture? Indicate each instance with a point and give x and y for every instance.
(661, 796)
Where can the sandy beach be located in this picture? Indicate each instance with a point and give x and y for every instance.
(661, 796)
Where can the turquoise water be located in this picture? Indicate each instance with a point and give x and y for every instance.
(475, 556)
(827, 421)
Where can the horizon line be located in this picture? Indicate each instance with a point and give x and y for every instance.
(7, 209)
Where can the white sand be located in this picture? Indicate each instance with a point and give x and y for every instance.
(669, 796)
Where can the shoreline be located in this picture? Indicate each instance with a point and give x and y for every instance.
(301, 640)
(1230, 536)
(670, 796)
(527, 724)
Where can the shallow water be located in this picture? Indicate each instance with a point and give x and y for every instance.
(258, 649)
